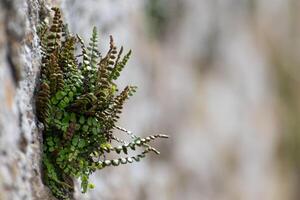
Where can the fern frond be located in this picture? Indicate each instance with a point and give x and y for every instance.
(119, 66)
(65, 31)
(132, 145)
(85, 58)
(67, 60)
(93, 49)
(126, 160)
(115, 138)
(55, 75)
(83, 103)
(121, 98)
(42, 102)
(54, 35)
(103, 85)
(133, 136)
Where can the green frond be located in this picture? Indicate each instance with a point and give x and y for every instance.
(139, 142)
(119, 66)
(85, 58)
(93, 52)
(126, 160)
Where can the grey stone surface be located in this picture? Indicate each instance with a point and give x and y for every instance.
(206, 79)
(20, 138)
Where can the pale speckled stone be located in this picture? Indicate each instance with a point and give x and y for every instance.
(20, 139)
(214, 110)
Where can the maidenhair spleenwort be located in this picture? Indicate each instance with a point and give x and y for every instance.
(79, 104)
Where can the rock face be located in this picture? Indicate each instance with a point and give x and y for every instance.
(20, 138)
(206, 72)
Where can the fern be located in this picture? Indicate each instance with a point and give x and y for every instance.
(79, 105)
(116, 71)
(54, 32)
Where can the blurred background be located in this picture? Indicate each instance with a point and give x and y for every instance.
(221, 77)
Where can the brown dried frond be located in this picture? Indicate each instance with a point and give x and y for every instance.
(42, 102)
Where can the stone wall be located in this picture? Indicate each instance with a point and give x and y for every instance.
(20, 138)
(219, 76)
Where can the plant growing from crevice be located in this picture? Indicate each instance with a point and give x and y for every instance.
(79, 104)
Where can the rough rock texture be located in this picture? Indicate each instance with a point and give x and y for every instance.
(20, 138)
(209, 74)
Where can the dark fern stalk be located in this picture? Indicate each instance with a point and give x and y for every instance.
(79, 104)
